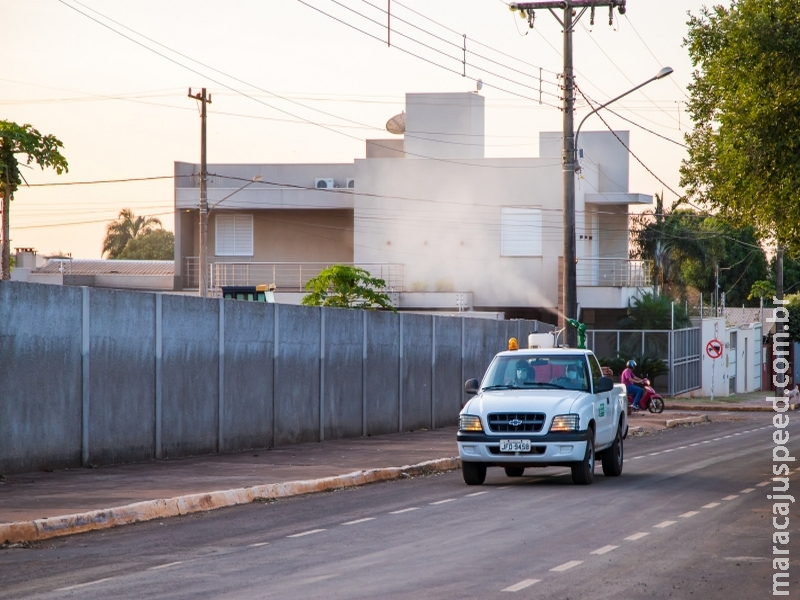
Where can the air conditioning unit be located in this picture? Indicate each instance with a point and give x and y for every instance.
(324, 184)
(351, 183)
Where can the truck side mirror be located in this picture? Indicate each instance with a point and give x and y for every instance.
(604, 384)
(471, 387)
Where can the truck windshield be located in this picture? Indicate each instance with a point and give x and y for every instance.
(558, 371)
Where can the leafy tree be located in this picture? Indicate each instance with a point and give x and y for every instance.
(653, 311)
(689, 250)
(347, 287)
(761, 289)
(155, 245)
(745, 104)
(124, 229)
(43, 150)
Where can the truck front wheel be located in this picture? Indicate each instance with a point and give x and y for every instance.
(474, 473)
(583, 472)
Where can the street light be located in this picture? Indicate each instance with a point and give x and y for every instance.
(569, 251)
(203, 291)
(662, 73)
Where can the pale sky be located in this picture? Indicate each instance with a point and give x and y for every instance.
(290, 84)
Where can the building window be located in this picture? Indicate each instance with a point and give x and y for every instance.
(520, 232)
(234, 235)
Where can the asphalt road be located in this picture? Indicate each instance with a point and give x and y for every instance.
(688, 518)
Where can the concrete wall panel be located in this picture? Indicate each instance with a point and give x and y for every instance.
(417, 354)
(297, 375)
(480, 346)
(247, 380)
(342, 390)
(382, 376)
(447, 385)
(121, 376)
(40, 376)
(191, 373)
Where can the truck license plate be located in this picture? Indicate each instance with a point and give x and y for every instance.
(515, 445)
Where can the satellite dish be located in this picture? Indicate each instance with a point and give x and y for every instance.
(397, 124)
(479, 85)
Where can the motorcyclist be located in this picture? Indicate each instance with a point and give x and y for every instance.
(629, 380)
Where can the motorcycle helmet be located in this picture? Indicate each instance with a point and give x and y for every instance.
(631, 364)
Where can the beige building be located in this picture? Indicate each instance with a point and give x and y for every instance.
(447, 228)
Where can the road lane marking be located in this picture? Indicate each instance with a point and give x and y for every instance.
(357, 521)
(747, 490)
(711, 505)
(691, 513)
(81, 585)
(704, 442)
(693, 445)
(504, 487)
(604, 550)
(664, 524)
(296, 535)
(763, 483)
(443, 501)
(476, 494)
(636, 457)
(731, 497)
(680, 447)
(404, 510)
(654, 453)
(670, 450)
(637, 536)
(257, 545)
(716, 439)
(172, 564)
(566, 566)
(521, 585)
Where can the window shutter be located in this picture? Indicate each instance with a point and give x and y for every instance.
(234, 235)
(520, 232)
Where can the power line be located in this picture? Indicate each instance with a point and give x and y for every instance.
(249, 96)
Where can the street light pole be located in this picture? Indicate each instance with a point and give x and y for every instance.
(662, 73)
(569, 294)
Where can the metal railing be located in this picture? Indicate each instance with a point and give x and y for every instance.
(614, 272)
(287, 276)
(680, 349)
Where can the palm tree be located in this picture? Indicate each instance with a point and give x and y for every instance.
(127, 227)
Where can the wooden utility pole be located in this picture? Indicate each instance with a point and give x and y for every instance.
(203, 282)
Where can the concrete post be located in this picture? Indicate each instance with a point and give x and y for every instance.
(85, 383)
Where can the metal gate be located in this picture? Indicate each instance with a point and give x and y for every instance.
(679, 348)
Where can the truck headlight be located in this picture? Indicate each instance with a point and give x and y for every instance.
(470, 423)
(565, 423)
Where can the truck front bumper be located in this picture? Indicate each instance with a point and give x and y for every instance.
(549, 449)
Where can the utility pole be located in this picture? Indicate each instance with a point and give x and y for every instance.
(203, 283)
(568, 157)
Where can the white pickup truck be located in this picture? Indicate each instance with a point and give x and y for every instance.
(542, 408)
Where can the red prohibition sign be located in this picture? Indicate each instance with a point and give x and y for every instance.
(714, 348)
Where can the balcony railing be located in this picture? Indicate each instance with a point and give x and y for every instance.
(614, 272)
(287, 276)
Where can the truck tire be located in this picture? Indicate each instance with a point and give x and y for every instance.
(613, 457)
(515, 471)
(474, 473)
(583, 472)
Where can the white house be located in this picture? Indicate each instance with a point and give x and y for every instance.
(446, 227)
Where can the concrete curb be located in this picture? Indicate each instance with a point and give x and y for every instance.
(686, 420)
(723, 408)
(41, 529)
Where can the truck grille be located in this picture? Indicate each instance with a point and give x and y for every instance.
(516, 422)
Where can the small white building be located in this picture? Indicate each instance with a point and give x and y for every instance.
(446, 227)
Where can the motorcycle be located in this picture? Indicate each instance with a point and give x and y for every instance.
(651, 399)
